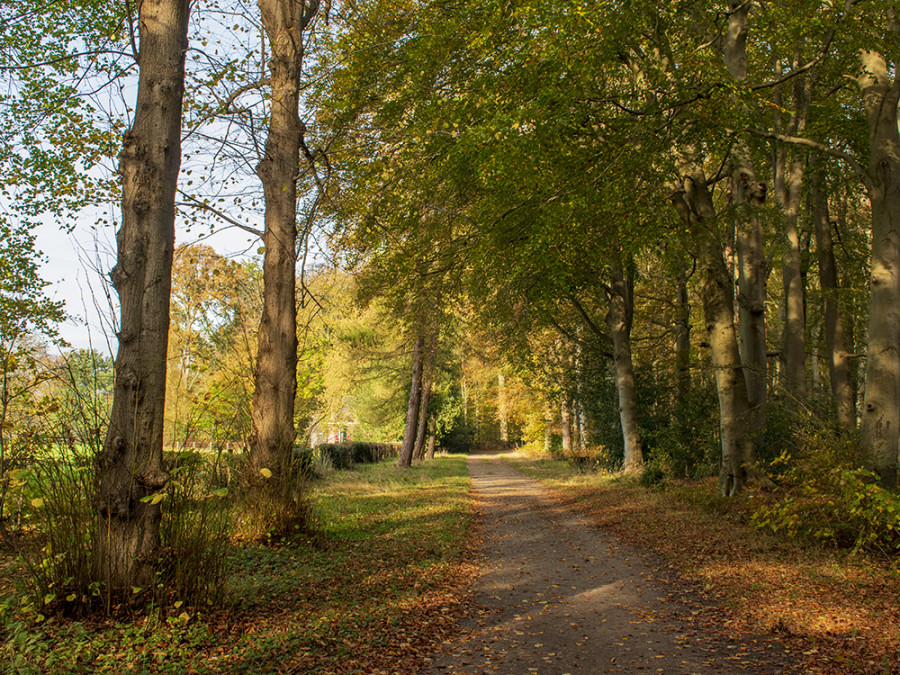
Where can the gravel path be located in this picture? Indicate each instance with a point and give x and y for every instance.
(561, 596)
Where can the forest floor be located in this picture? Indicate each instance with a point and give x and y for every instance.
(429, 570)
(827, 611)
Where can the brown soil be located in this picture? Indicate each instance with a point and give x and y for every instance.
(557, 595)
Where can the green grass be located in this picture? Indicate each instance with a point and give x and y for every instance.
(386, 558)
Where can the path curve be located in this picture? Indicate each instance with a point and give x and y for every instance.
(559, 595)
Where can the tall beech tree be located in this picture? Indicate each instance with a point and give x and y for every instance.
(879, 87)
(837, 342)
(693, 202)
(132, 474)
(272, 438)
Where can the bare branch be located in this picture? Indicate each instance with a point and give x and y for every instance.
(196, 203)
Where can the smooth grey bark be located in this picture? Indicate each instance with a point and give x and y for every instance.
(693, 202)
(749, 196)
(548, 423)
(275, 378)
(502, 411)
(131, 467)
(412, 409)
(735, 48)
(837, 346)
(619, 318)
(580, 416)
(788, 172)
(881, 407)
(566, 421)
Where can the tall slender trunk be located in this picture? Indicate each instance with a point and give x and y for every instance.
(412, 408)
(565, 418)
(749, 197)
(618, 320)
(580, 416)
(432, 437)
(843, 385)
(131, 463)
(693, 202)
(502, 411)
(881, 408)
(548, 423)
(682, 355)
(752, 290)
(425, 401)
(788, 171)
(272, 437)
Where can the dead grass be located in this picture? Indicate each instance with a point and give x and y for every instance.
(839, 613)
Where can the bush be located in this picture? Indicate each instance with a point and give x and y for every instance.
(827, 498)
(61, 576)
(653, 475)
(340, 456)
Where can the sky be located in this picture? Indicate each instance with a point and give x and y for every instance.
(77, 265)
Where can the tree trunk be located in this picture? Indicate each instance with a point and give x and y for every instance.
(272, 438)
(881, 408)
(682, 356)
(422, 423)
(131, 463)
(580, 415)
(693, 202)
(501, 409)
(566, 420)
(843, 386)
(548, 423)
(788, 187)
(749, 196)
(432, 437)
(412, 408)
(618, 321)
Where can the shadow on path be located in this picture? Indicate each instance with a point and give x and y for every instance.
(561, 596)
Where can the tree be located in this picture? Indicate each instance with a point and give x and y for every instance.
(272, 439)
(880, 92)
(131, 464)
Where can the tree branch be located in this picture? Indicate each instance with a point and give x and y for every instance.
(848, 5)
(219, 214)
(818, 147)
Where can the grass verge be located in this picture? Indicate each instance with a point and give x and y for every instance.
(839, 613)
(376, 588)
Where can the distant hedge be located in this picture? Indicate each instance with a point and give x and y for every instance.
(345, 455)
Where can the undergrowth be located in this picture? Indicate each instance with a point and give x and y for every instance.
(384, 561)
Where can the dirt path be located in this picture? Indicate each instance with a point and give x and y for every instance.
(562, 596)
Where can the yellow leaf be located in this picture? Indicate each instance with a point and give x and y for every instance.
(37, 503)
(266, 473)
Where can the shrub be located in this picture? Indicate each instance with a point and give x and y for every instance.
(336, 454)
(827, 498)
(340, 456)
(653, 474)
(60, 574)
